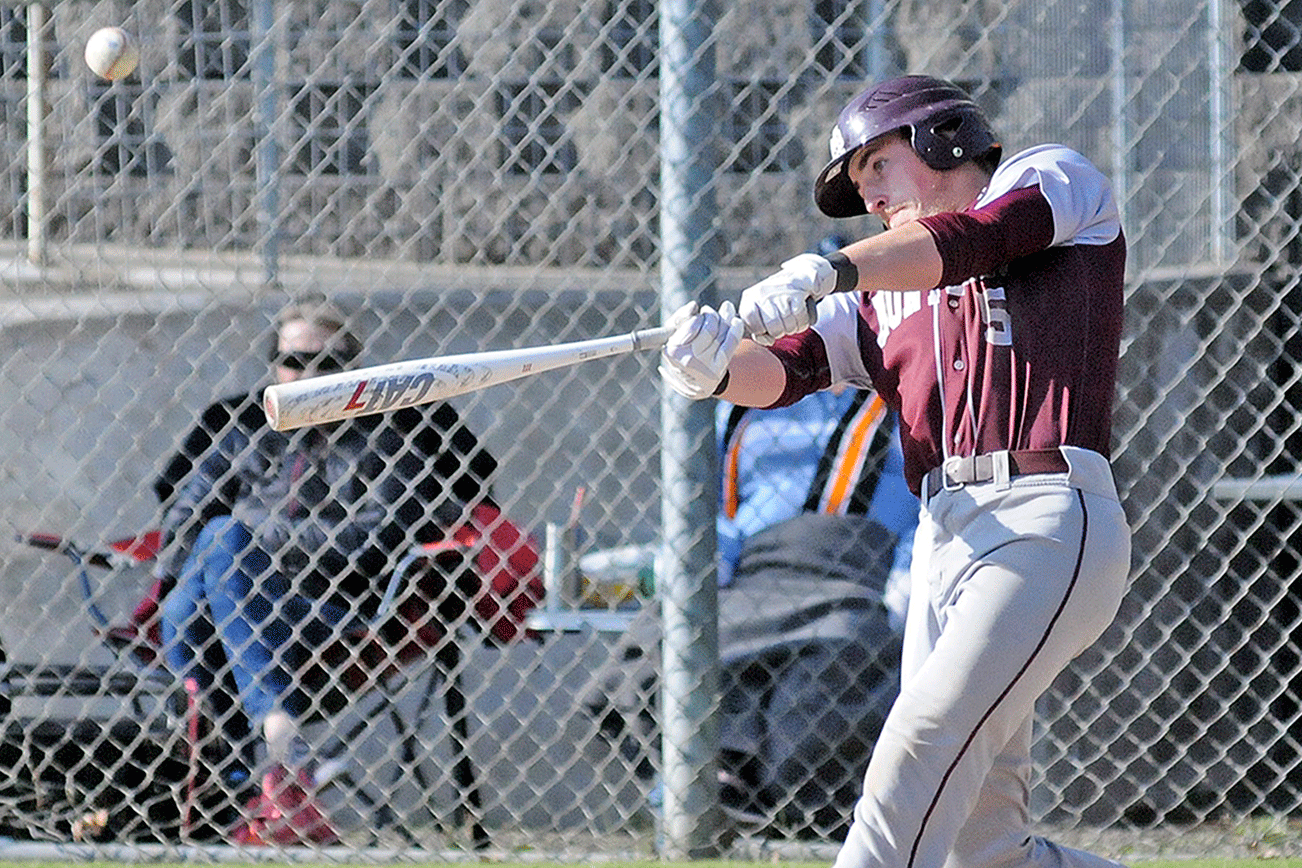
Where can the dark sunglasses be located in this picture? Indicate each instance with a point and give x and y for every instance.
(299, 361)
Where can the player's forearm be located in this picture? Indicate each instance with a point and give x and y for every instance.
(755, 377)
(904, 259)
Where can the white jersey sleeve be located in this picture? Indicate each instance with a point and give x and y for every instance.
(1084, 210)
(838, 326)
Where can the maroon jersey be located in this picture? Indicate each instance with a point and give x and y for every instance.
(1017, 349)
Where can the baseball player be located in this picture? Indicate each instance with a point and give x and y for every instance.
(988, 314)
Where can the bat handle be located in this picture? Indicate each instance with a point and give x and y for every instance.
(654, 338)
(651, 339)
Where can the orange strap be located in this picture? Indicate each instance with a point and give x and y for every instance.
(853, 450)
(731, 489)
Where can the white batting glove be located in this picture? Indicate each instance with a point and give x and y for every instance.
(783, 303)
(696, 357)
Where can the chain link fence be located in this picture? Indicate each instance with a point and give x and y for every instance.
(460, 176)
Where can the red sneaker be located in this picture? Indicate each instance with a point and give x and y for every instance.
(283, 813)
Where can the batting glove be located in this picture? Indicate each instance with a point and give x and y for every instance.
(695, 359)
(783, 303)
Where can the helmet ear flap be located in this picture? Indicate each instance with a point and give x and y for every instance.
(951, 139)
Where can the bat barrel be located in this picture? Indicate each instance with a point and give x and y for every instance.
(384, 388)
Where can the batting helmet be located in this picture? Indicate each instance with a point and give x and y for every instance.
(944, 125)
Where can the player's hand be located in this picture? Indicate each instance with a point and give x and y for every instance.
(696, 356)
(783, 303)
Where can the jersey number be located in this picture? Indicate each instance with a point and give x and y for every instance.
(994, 313)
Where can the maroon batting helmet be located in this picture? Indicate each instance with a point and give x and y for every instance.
(944, 125)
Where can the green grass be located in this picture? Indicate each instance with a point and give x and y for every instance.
(1221, 863)
(1218, 863)
(650, 863)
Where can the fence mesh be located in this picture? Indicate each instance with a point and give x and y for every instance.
(458, 176)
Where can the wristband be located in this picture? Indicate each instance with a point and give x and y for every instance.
(723, 384)
(847, 273)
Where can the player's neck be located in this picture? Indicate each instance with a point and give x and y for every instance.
(963, 186)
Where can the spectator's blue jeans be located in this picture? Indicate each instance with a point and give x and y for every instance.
(227, 593)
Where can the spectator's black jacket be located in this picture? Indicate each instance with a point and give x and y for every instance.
(334, 505)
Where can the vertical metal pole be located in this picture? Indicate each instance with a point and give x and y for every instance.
(1221, 118)
(267, 161)
(878, 69)
(1121, 144)
(687, 584)
(37, 160)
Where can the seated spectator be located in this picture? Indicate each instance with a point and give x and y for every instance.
(275, 542)
(814, 527)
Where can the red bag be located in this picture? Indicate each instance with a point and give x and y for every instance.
(509, 566)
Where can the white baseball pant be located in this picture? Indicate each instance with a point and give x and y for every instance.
(1011, 580)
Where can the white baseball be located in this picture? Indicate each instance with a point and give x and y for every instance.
(112, 53)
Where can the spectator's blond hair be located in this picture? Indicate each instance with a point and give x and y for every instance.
(319, 312)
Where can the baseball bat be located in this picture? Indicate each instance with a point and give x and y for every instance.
(392, 386)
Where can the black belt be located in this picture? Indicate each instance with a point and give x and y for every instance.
(957, 472)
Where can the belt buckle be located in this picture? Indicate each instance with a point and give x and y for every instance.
(952, 477)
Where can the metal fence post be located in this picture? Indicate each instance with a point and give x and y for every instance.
(37, 159)
(688, 591)
(1220, 106)
(265, 84)
(1120, 89)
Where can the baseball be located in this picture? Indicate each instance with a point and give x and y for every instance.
(112, 53)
